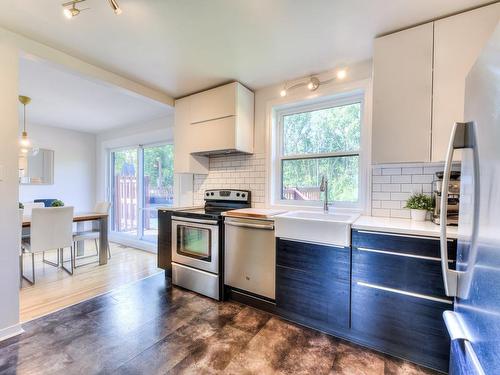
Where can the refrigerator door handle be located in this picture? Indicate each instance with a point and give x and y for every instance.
(457, 332)
(459, 139)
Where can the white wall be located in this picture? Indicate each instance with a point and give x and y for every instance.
(255, 172)
(9, 219)
(74, 167)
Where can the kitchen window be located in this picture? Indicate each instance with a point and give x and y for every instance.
(316, 140)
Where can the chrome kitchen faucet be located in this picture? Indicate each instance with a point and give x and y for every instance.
(324, 187)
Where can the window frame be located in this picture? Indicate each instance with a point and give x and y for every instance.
(352, 97)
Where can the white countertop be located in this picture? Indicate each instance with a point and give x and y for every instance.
(402, 226)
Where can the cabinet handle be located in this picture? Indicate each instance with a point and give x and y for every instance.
(402, 235)
(400, 254)
(252, 226)
(404, 292)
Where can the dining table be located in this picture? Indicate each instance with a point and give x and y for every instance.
(101, 219)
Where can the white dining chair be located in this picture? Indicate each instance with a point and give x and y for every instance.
(28, 207)
(20, 245)
(51, 229)
(94, 234)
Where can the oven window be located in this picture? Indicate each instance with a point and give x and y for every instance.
(194, 242)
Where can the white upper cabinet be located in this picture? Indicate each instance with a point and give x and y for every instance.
(419, 84)
(458, 41)
(402, 96)
(214, 104)
(184, 162)
(216, 121)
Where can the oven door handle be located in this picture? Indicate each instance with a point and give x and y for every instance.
(197, 221)
(252, 226)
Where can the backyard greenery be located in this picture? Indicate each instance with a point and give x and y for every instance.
(158, 165)
(323, 131)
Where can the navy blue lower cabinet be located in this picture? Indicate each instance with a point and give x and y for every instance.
(401, 271)
(313, 282)
(403, 325)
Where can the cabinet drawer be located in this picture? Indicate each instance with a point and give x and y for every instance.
(423, 246)
(407, 272)
(401, 325)
(319, 297)
(334, 261)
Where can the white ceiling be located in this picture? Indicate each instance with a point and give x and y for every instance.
(182, 46)
(62, 98)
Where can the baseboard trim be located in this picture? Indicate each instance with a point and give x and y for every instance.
(7, 333)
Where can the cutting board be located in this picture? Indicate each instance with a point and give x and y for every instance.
(258, 213)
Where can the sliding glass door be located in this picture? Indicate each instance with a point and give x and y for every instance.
(141, 181)
(125, 191)
(158, 181)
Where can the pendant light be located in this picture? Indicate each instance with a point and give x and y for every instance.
(25, 144)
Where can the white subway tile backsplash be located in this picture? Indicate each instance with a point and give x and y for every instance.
(246, 172)
(390, 204)
(400, 179)
(422, 178)
(381, 196)
(400, 196)
(390, 187)
(393, 184)
(391, 171)
(381, 179)
(412, 170)
(411, 188)
(381, 212)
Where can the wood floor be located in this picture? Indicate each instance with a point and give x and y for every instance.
(148, 327)
(55, 289)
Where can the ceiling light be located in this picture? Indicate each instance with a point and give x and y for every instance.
(70, 10)
(313, 84)
(283, 93)
(116, 8)
(341, 74)
(26, 145)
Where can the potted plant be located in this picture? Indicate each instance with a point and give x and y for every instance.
(57, 203)
(419, 204)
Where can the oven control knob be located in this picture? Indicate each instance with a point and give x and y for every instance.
(208, 194)
(243, 195)
(211, 193)
(237, 194)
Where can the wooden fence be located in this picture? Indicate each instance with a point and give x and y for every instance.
(125, 202)
(302, 194)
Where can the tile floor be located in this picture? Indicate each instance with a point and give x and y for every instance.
(149, 327)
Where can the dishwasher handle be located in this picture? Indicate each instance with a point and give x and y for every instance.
(269, 226)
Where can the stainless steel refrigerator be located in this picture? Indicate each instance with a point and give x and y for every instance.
(474, 325)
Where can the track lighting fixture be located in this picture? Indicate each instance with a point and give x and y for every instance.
(71, 10)
(313, 82)
(116, 8)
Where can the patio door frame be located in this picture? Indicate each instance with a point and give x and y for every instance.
(138, 239)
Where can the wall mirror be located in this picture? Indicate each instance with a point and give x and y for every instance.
(37, 169)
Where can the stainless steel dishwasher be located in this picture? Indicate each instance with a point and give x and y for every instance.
(250, 255)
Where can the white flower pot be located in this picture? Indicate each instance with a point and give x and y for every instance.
(418, 215)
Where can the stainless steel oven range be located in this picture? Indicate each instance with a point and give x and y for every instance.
(197, 236)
